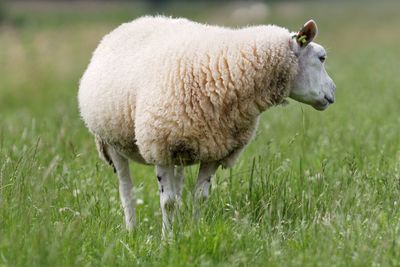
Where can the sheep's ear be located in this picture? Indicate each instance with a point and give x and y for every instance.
(307, 33)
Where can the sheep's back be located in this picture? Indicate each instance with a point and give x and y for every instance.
(129, 60)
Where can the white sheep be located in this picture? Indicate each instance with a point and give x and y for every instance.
(172, 92)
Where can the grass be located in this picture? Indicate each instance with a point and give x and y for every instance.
(312, 189)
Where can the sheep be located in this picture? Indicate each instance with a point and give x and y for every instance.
(172, 92)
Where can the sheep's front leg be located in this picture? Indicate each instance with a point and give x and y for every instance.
(170, 181)
(121, 165)
(203, 183)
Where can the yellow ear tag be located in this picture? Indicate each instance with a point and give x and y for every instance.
(302, 39)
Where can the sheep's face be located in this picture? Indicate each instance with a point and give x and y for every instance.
(312, 84)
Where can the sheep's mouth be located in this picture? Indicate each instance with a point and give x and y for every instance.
(321, 107)
(324, 103)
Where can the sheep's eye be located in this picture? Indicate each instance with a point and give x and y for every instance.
(322, 59)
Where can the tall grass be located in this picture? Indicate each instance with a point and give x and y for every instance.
(313, 188)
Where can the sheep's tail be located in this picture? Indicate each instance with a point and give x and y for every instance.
(103, 152)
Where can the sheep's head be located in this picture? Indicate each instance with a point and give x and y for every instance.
(312, 84)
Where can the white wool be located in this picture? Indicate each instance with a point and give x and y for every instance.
(171, 91)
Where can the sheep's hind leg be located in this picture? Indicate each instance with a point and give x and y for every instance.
(121, 165)
(179, 177)
(170, 181)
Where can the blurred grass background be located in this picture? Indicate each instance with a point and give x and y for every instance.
(314, 188)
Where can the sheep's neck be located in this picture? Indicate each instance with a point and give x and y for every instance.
(262, 78)
(274, 77)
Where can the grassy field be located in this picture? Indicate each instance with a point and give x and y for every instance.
(313, 189)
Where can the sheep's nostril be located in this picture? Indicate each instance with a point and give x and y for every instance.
(330, 99)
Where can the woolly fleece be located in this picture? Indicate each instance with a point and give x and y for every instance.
(171, 91)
